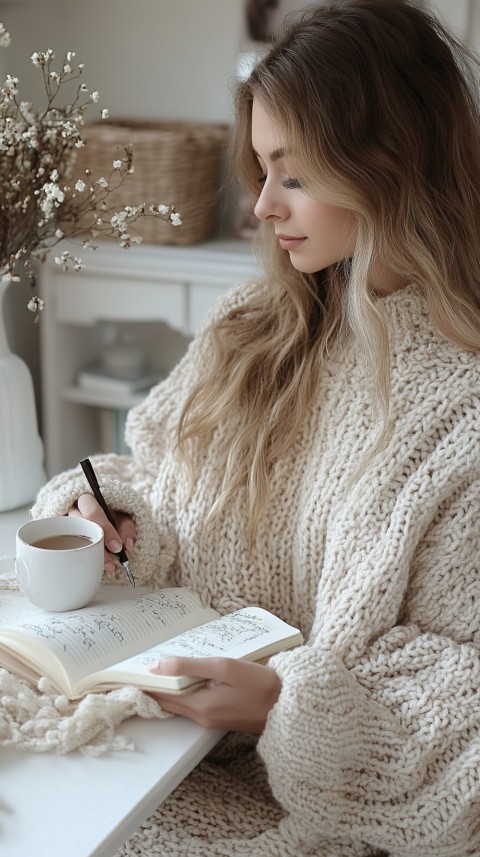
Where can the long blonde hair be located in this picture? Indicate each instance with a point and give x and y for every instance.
(379, 102)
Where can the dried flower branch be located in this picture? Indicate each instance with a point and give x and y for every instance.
(42, 200)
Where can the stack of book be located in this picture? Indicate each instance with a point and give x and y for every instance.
(97, 379)
(113, 394)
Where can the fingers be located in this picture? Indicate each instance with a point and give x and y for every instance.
(123, 534)
(87, 507)
(198, 667)
(238, 696)
(126, 530)
(220, 670)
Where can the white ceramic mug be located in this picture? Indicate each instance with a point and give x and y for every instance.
(59, 562)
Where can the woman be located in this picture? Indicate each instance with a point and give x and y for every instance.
(317, 452)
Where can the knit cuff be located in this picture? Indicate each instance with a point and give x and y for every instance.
(152, 554)
(311, 736)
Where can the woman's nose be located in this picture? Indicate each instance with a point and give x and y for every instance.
(269, 206)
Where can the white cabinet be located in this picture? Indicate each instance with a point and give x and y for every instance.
(160, 293)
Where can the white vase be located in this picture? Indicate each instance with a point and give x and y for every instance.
(21, 449)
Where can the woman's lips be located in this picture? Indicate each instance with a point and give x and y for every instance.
(289, 242)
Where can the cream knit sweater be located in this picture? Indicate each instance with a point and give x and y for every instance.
(373, 745)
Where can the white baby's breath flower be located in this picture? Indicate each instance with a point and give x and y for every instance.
(52, 191)
(35, 304)
(118, 219)
(43, 146)
(63, 259)
(4, 37)
(10, 88)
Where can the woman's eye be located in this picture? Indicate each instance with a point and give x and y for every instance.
(291, 184)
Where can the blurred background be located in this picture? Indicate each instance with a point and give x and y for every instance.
(159, 59)
(153, 60)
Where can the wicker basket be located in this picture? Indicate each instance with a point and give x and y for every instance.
(176, 163)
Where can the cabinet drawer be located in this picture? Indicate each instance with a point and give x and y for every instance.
(84, 301)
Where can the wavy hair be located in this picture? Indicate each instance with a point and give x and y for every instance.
(379, 103)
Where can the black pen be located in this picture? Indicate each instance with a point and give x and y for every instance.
(93, 482)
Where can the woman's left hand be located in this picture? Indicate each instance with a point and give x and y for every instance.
(237, 697)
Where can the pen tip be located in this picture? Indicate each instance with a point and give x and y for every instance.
(128, 570)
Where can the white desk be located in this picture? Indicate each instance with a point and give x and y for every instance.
(79, 806)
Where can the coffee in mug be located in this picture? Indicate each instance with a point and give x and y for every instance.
(59, 562)
(62, 542)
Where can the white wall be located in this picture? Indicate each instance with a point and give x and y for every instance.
(456, 13)
(474, 24)
(170, 59)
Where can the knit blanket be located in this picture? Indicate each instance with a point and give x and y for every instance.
(36, 717)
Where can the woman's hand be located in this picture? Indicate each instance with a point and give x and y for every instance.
(237, 696)
(123, 535)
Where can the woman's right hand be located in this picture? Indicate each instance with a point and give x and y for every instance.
(123, 535)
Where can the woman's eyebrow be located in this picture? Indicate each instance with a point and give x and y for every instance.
(274, 156)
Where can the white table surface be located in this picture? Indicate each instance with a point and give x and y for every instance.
(82, 806)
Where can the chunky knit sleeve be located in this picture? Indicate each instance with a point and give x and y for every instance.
(120, 480)
(376, 734)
